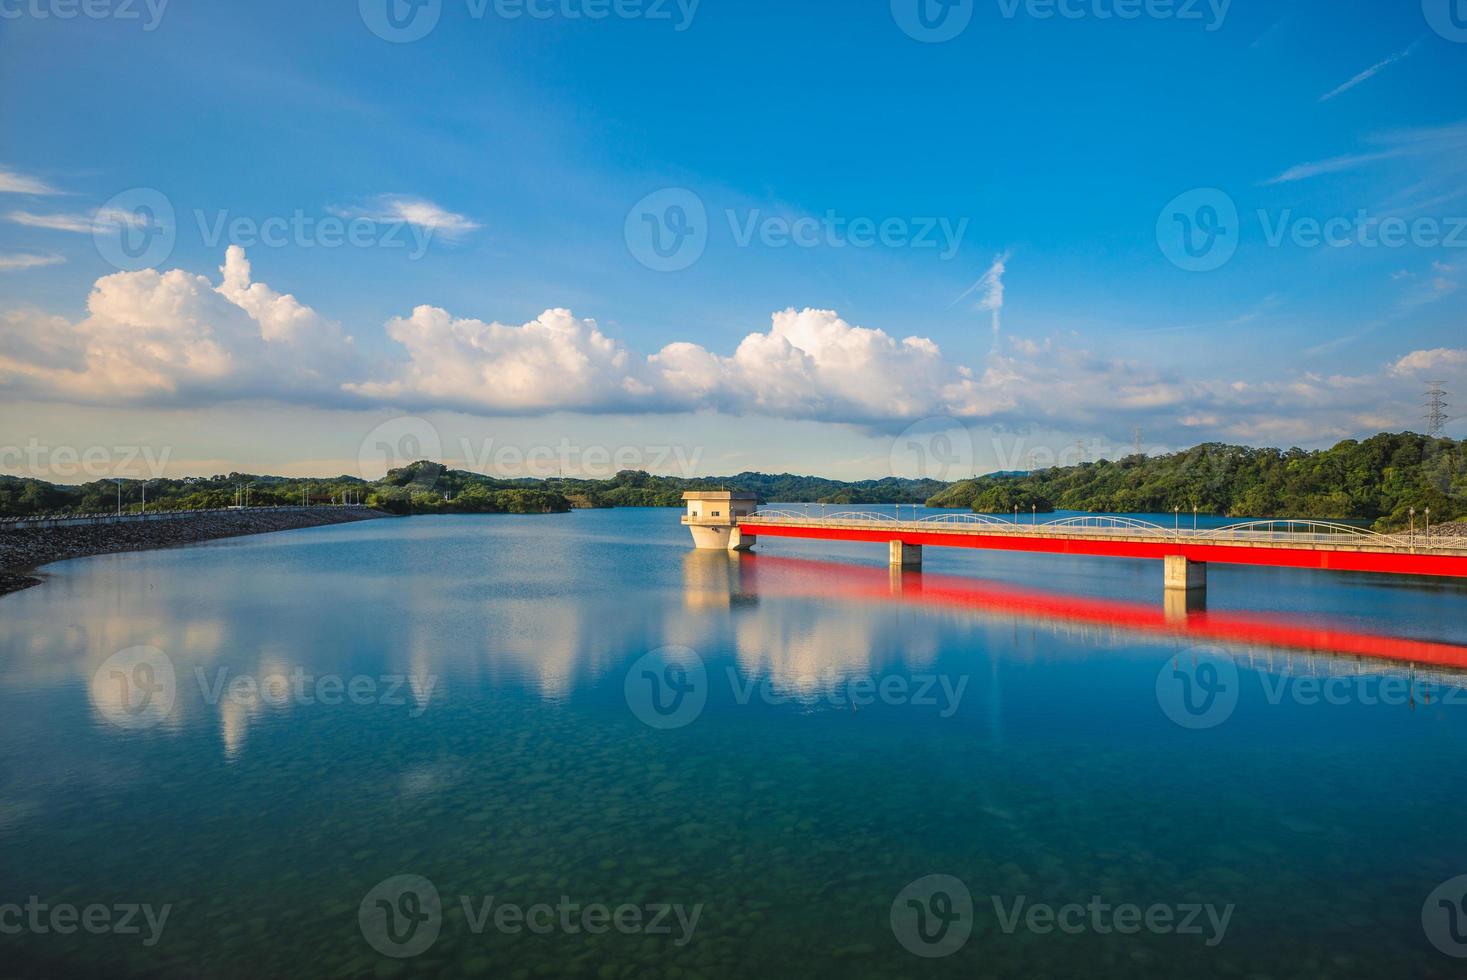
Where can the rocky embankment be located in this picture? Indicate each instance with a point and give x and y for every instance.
(23, 550)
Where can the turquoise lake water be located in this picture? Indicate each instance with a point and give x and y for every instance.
(327, 752)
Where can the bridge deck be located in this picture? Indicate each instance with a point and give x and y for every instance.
(1323, 546)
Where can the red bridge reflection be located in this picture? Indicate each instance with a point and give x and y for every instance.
(768, 575)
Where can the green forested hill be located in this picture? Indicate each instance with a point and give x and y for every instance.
(426, 487)
(1377, 479)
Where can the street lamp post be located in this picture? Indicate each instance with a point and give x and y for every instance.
(1177, 519)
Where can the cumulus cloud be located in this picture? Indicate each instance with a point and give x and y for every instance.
(1430, 362)
(812, 364)
(554, 362)
(174, 338)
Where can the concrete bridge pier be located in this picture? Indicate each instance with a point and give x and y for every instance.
(1183, 575)
(905, 555)
(1182, 604)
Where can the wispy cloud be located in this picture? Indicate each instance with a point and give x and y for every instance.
(416, 211)
(1372, 71)
(82, 224)
(990, 284)
(1333, 165)
(55, 222)
(17, 262)
(14, 183)
(1444, 147)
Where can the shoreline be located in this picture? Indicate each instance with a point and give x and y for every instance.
(24, 551)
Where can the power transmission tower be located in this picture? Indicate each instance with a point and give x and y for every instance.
(1136, 434)
(1436, 409)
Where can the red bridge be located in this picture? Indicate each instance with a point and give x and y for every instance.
(1184, 552)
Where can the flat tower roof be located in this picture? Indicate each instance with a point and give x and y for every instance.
(719, 495)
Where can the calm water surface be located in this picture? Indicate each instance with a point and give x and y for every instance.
(821, 738)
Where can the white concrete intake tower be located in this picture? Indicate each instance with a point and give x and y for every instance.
(713, 518)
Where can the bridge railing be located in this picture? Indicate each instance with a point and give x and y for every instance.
(1280, 531)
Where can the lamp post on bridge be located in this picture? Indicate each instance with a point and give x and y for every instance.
(1177, 518)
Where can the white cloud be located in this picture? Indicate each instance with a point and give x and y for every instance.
(172, 337)
(554, 362)
(415, 211)
(1440, 150)
(14, 183)
(179, 339)
(991, 285)
(19, 261)
(53, 222)
(1370, 72)
(1430, 361)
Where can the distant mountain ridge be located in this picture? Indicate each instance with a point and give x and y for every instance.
(1375, 480)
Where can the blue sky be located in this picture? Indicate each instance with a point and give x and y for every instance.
(1031, 176)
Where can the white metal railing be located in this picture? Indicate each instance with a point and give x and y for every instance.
(1276, 532)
